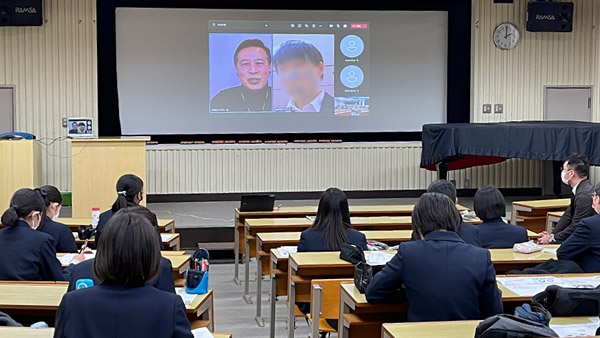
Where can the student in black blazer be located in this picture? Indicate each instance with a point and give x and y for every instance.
(331, 229)
(440, 276)
(332, 226)
(467, 231)
(163, 281)
(583, 246)
(494, 233)
(62, 235)
(574, 173)
(129, 194)
(129, 307)
(26, 254)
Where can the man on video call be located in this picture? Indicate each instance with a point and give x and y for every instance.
(73, 129)
(300, 65)
(252, 60)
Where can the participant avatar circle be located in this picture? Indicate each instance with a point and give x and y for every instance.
(351, 76)
(352, 46)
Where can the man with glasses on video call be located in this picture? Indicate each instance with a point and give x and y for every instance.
(252, 60)
(300, 66)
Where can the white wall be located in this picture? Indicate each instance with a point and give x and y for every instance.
(54, 70)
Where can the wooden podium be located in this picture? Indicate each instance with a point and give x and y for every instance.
(21, 168)
(97, 164)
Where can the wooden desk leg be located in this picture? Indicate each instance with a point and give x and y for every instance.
(258, 317)
(292, 303)
(236, 251)
(247, 297)
(272, 299)
(344, 308)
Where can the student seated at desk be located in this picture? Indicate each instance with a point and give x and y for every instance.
(129, 194)
(124, 305)
(467, 231)
(583, 245)
(26, 254)
(331, 229)
(332, 226)
(494, 233)
(441, 276)
(62, 235)
(163, 281)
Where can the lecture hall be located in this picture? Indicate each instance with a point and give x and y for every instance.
(338, 169)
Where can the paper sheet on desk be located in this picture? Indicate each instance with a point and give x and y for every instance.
(165, 237)
(187, 298)
(552, 251)
(530, 286)
(378, 258)
(575, 330)
(287, 250)
(202, 333)
(68, 258)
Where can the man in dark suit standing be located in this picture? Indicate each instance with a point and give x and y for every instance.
(583, 246)
(574, 173)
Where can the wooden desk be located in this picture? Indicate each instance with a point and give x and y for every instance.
(27, 332)
(552, 219)
(303, 211)
(454, 329)
(532, 214)
(164, 225)
(22, 168)
(272, 240)
(179, 261)
(353, 304)
(43, 298)
(271, 225)
(171, 241)
(305, 266)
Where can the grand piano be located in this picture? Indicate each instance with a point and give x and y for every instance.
(455, 146)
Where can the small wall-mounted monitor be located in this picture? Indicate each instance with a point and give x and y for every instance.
(80, 127)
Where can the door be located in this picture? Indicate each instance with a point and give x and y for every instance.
(564, 103)
(7, 109)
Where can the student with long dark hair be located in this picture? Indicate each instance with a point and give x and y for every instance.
(129, 193)
(441, 276)
(26, 254)
(62, 235)
(332, 226)
(331, 229)
(129, 307)
(163, 281)
(490, 207)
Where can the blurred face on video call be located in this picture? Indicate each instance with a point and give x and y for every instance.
(82, 128)
(301, 78)
(253, 68)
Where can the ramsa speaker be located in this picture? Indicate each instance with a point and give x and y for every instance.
(550, 16)
(21, 13)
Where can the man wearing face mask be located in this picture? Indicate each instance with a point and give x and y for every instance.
(300, 66)
(26, 254)
(583, 246)
(574, 173)
(62, 235)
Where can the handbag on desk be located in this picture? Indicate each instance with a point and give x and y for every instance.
(196, 277)
(363, 274)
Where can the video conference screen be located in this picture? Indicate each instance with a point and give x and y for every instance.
(205, 71)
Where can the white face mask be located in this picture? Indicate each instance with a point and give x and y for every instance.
(55, 217)
(563, 177)
(39, 220)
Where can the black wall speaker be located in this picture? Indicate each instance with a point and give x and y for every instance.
(504, 1)
(550, 16)
(21, 13)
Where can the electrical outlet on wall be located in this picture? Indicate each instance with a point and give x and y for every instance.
(487, 108)
(64, 122)
(499, 108)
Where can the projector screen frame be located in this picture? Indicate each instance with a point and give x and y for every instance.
(458, 82)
